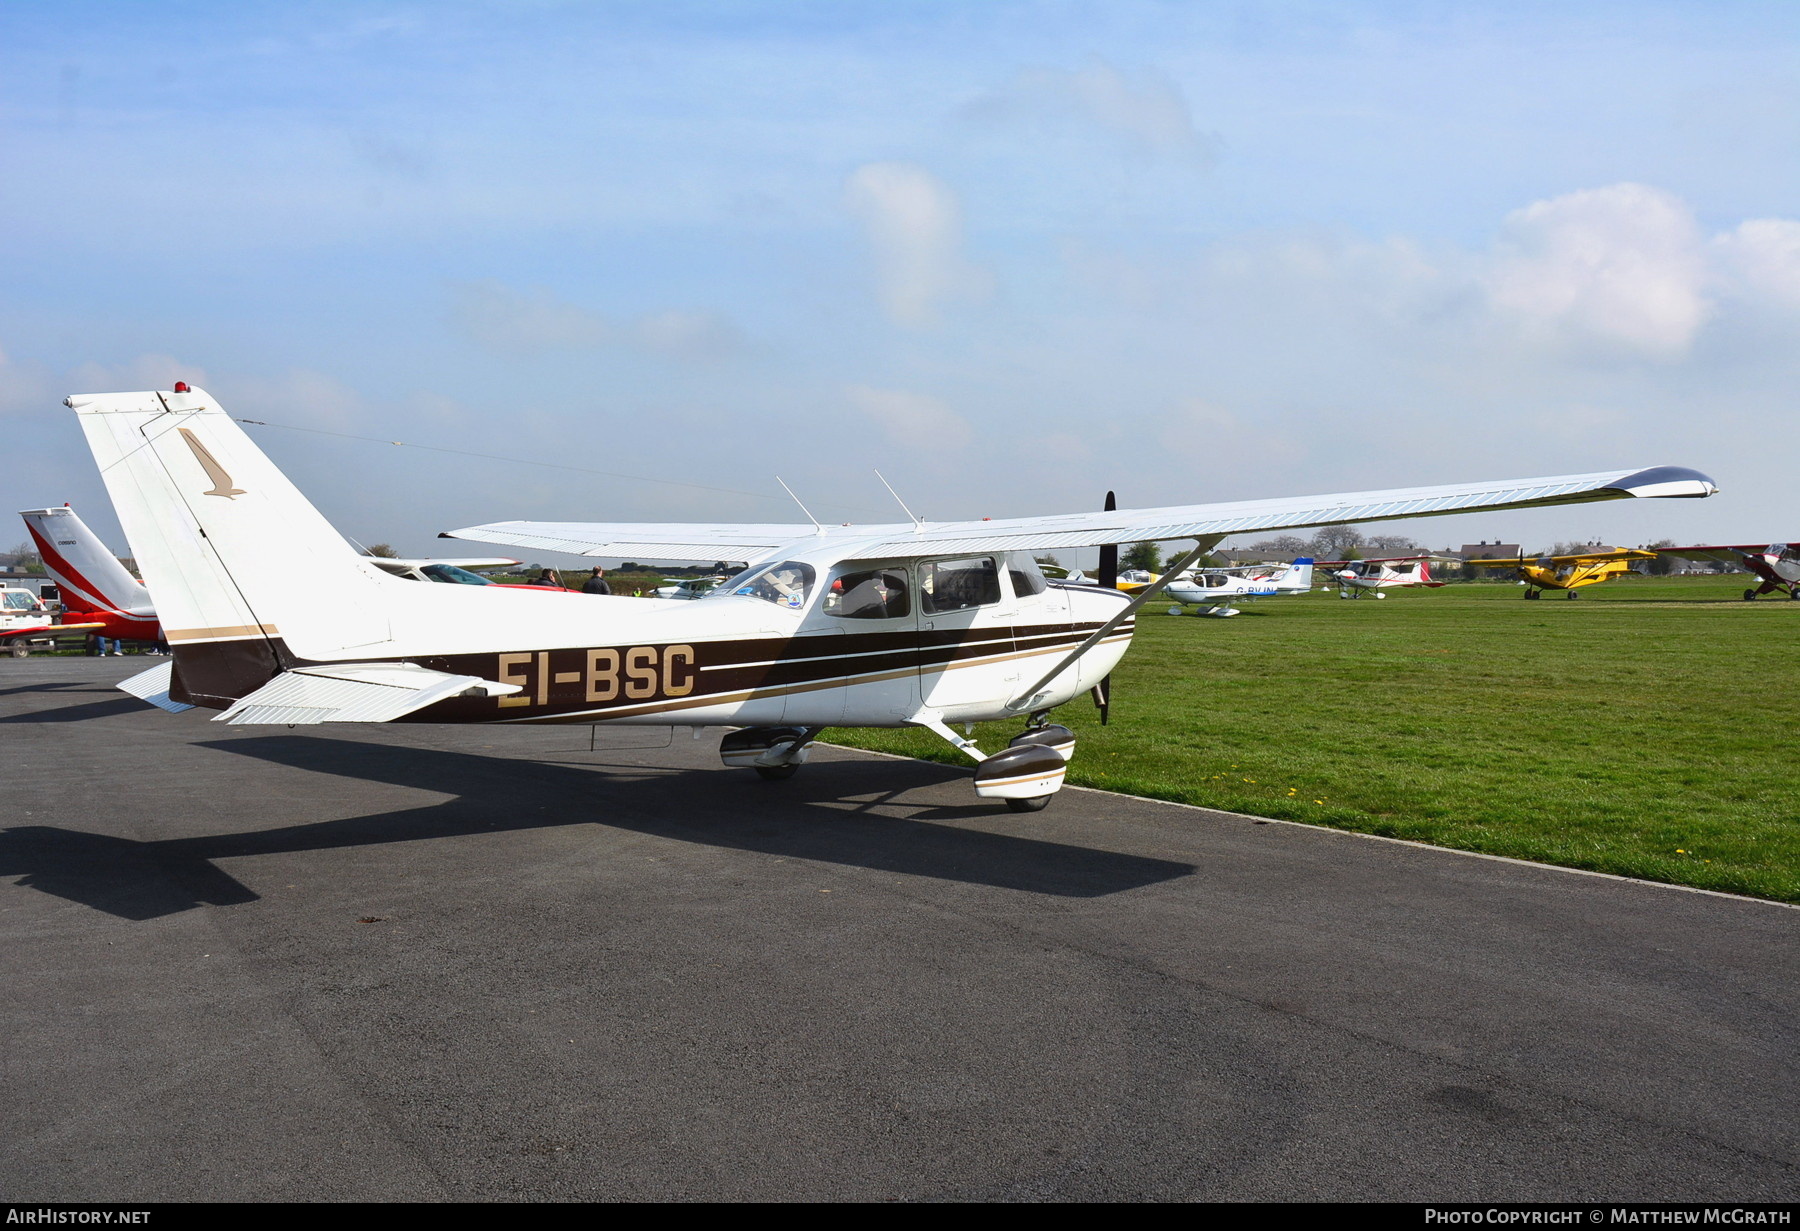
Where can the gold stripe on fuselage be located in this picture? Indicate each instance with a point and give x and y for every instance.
(231, 632)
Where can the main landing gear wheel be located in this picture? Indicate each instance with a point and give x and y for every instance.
(776, 773)
(19, 649)
(1749, 596)
(1037, 804)
(1571, 594)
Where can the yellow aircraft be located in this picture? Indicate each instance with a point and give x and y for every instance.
(1568, 573)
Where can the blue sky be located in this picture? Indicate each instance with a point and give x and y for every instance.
(1012, 254)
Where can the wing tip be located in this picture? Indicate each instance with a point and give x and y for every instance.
(1666, 482)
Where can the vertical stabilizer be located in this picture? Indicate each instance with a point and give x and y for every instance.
(1299, 575)
(248, 574)
(90, 578)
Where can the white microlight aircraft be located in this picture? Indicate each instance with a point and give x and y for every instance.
(922, 623)
(1355, 578)
(1215, 589)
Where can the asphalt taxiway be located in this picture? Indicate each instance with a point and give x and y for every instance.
(489, 963)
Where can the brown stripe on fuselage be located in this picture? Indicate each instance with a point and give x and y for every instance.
(558, 683)
(590, 715)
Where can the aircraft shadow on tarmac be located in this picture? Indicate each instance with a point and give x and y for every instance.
(824, 814)
(109, 708)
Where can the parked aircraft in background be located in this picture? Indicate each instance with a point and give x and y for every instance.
(922, 624)
(1356, 578)
(96, 587)
(688, 587)
(1778, 564)
(93, 584)
(449, 572)
(1214, 590)
(1570, 572)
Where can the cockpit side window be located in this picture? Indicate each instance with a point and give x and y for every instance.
(1026, 578)
(870, 594)
(957, 585)
(18, 600)
(786, 584)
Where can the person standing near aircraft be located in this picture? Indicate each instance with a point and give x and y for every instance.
(548, 578)
(597, 583)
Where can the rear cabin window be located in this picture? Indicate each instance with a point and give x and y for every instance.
(872, 594)
(957, 585)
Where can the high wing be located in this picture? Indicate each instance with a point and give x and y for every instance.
(1729, 554)
(1588, 557)
(1423, 555)
(621, 540)
(650, 540)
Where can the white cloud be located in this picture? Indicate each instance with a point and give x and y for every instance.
(691, 335)
(144, 372)
(1761, 258)
(911, 420)
(1622, 266)
(914, 224)
(1145, 110)
(507, 320)
(504, 319)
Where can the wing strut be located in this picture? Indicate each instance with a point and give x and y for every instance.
(1025, 699)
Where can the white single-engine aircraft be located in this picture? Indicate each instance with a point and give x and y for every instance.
(1355, 578)
(922, 624)
(1215, 589)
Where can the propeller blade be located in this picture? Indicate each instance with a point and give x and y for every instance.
(1107, 575)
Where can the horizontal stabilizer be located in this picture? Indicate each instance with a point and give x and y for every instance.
(153, 686)
(354, 692)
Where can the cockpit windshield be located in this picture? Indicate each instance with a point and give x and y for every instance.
(19, 600)
(786, 584)
(453, 575)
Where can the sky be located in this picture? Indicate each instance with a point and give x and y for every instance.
(633, 261)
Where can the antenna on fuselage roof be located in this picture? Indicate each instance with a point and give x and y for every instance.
(917, 524)
(809, 517)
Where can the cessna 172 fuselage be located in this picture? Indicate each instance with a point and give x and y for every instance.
(922, 624)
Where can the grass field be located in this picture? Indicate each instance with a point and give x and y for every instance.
(1644, 729)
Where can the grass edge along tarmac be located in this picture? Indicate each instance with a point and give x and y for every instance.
(1643, 730)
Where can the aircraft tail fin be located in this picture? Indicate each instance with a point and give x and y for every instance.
(1299, 576)
(89, 577)
(249, 576)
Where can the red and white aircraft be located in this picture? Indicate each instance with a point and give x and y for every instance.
(1778, 564)
(93, 584)
(915, 624)
(97, 587)
(1355, 578)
